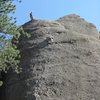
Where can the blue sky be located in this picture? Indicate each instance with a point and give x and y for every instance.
(54, 9)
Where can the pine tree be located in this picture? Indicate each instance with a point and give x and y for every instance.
(9, 54)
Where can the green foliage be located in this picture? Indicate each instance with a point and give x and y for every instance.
(9, 53)
(9, 57)
(6, 7)
(1, 83)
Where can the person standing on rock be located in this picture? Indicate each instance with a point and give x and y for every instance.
(31, 16)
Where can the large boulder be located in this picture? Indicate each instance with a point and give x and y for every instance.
(60, 61)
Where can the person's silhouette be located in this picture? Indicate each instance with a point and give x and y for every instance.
(31, 16)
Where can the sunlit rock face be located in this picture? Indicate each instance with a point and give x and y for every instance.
(60, 61)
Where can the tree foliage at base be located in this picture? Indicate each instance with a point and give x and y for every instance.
(9, 54)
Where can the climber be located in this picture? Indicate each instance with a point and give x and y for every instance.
(50, 39)
(31, 16)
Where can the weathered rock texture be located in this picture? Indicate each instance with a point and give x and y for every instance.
(66, 68)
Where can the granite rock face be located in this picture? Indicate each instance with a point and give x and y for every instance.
(60, 61)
